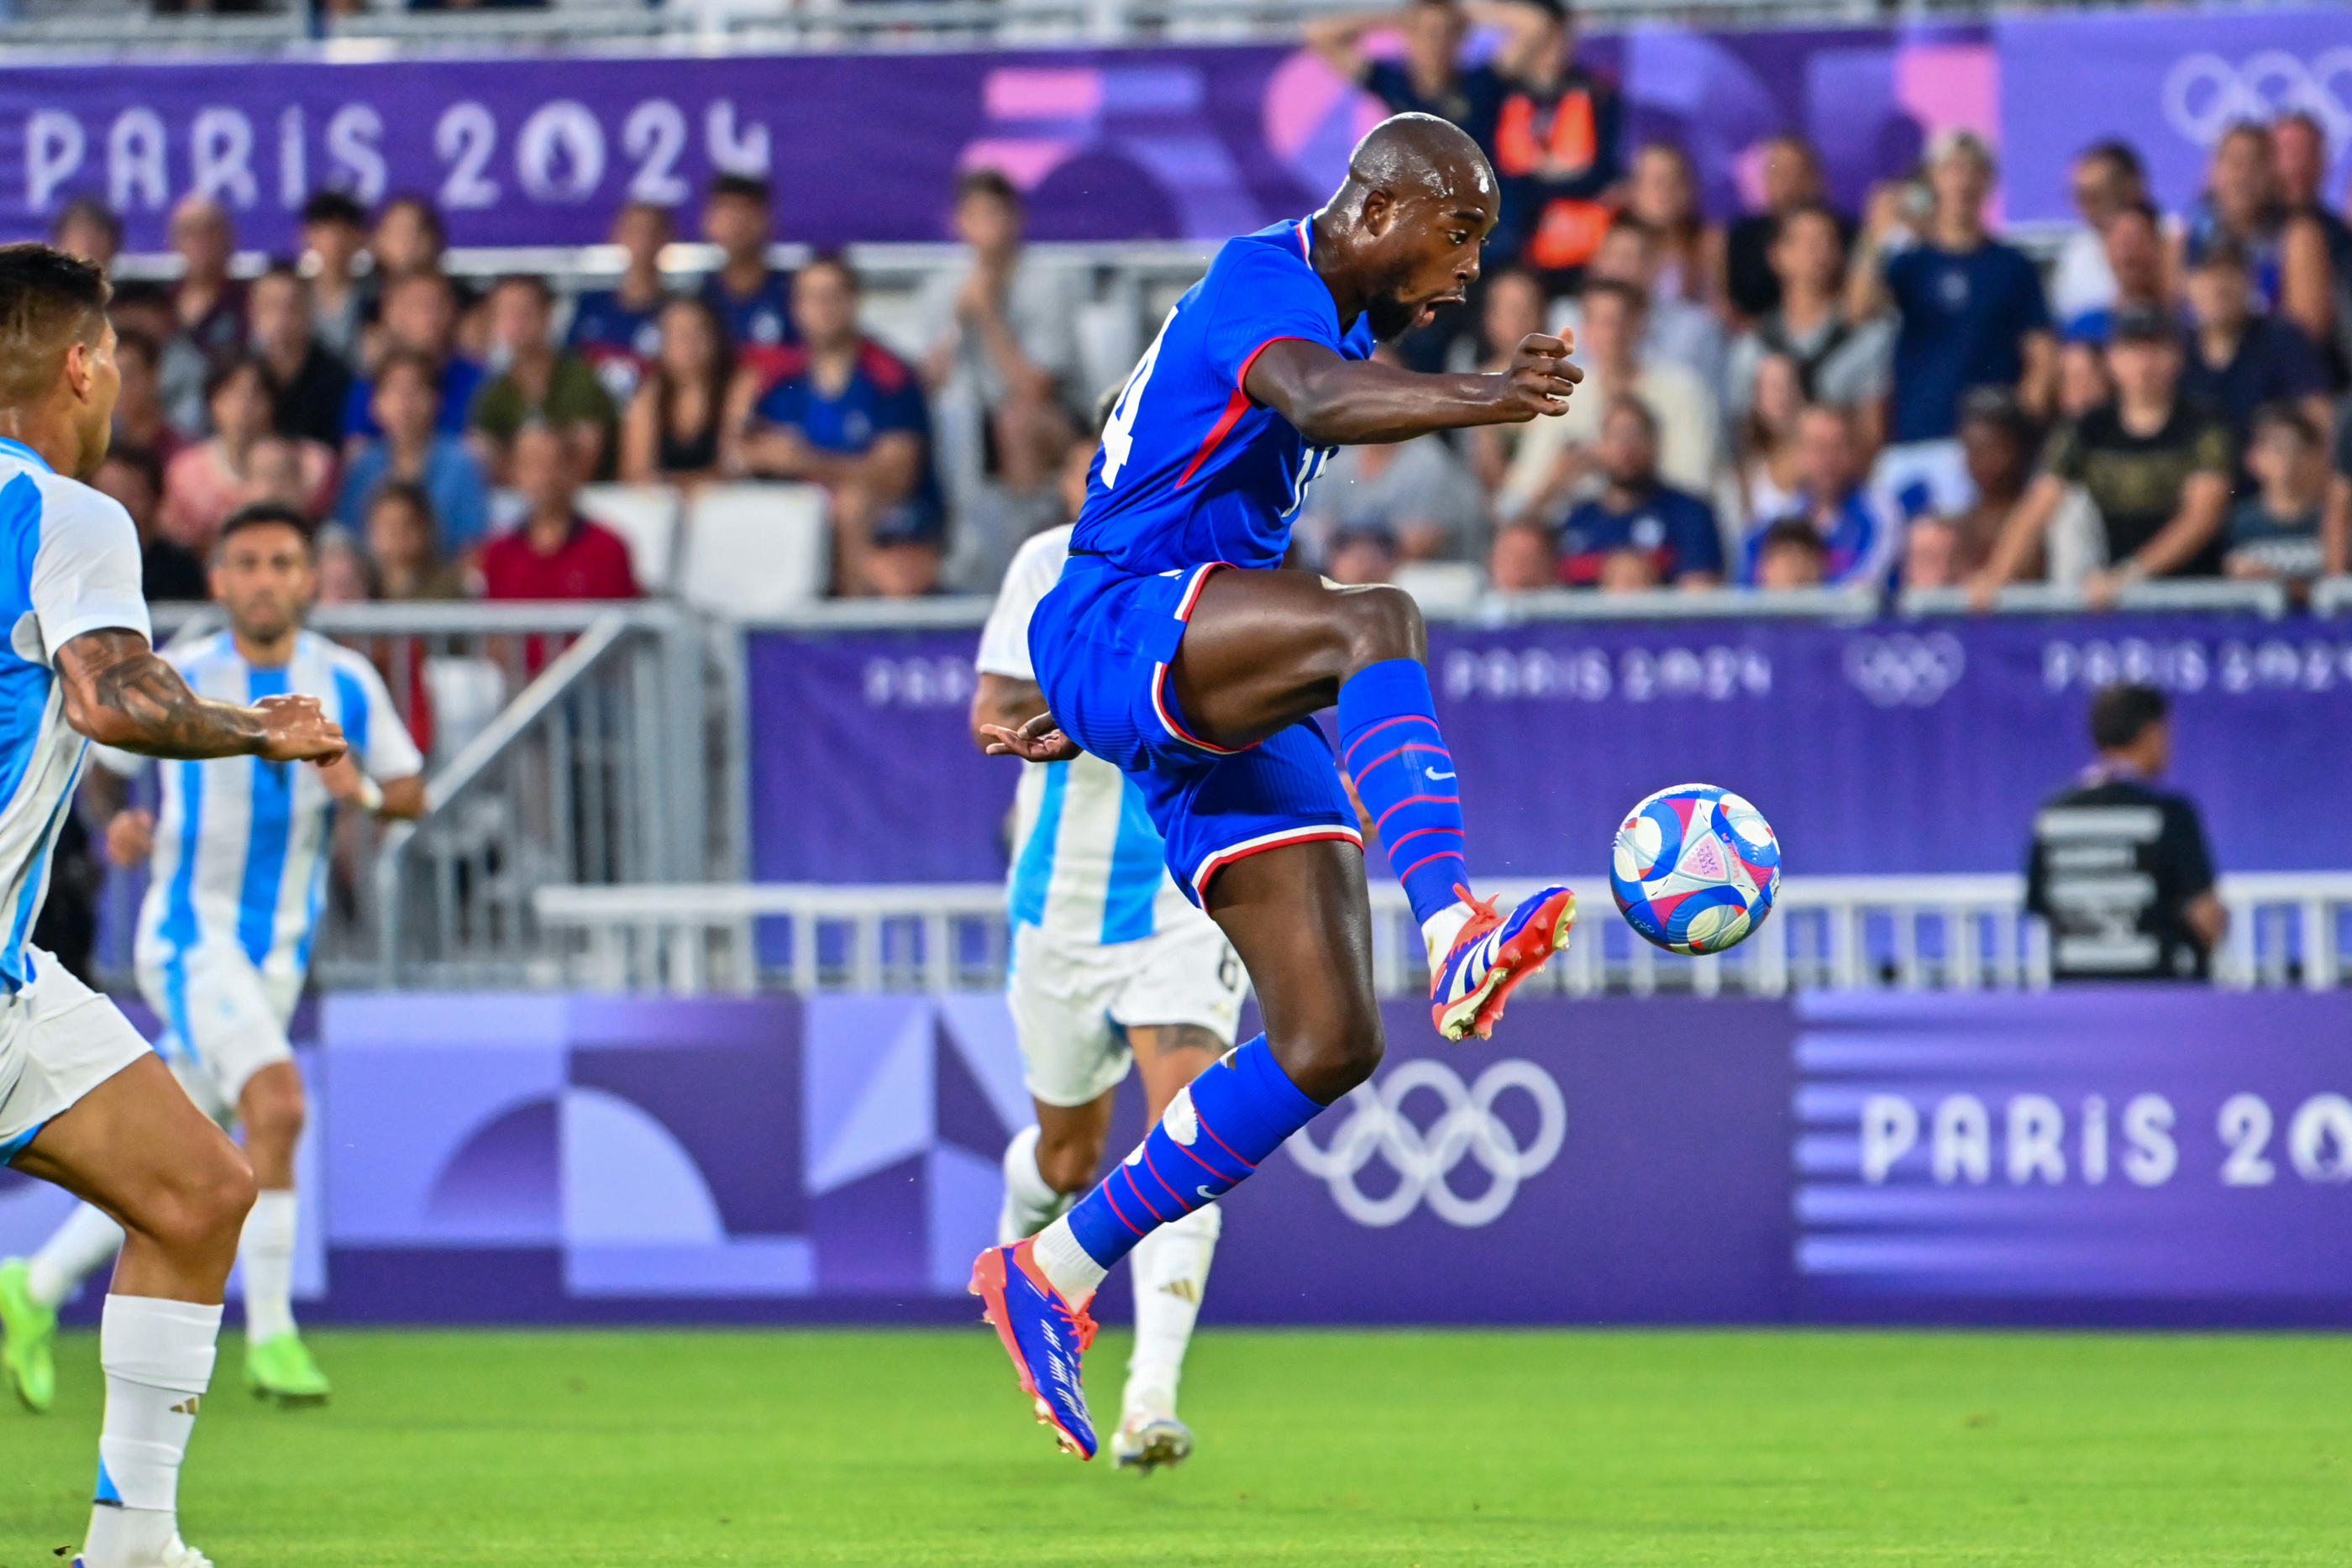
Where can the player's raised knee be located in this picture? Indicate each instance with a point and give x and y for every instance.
(1383, 622)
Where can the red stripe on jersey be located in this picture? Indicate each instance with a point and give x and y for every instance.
(1235, 407)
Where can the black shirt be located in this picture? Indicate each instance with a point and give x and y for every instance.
(1749, 278)
(2274, 362)
(171, 570)
(2135, 481)
(310, 406)
(1472, 101)
(2113, 866)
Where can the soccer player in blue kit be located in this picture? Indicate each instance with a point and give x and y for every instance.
(1177, 647)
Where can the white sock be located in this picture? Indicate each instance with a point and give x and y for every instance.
(158, 1357)
(1171, 1275)
(268, 1253)
(1438, 932)
(1065, 1264)
(83, 1245)
(1030, 1202)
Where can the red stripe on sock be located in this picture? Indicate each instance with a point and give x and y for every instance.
(1245, 1165)
(1152, 1166)
(1148, 1207)
(1203, 1163)
(1403, 839)
(1399, 751)
(1440, 856)
(1112, 1198)
(1406, 718)
(1411, 799)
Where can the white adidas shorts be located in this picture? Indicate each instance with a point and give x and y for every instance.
(224, 1019)
(1074, 1001)
(59, 1040)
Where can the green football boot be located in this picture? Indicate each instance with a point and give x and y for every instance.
(27, 1332)
(280, 1368)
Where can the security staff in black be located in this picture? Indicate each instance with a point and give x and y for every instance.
(2119, 868)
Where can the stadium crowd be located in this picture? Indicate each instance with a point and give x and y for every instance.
(1799, 396)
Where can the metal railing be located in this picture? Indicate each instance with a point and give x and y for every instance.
(1859, 932)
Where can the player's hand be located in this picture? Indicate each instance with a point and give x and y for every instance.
(1541, 378)
(131, 837)
(297, 729)
(1039, 740)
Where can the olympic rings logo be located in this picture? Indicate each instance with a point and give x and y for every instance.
(1904, 670)
(2204, 95)
(1467, 1127)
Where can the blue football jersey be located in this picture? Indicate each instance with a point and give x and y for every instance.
(1190, 470)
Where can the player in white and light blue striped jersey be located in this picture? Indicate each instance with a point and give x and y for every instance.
(1111, 965)
(238, 868)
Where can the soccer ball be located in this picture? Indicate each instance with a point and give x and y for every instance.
(1696, 869)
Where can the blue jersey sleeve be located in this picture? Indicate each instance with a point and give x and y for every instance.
(1257, 296)
(1698, 543)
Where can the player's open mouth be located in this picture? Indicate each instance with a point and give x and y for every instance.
(1429, 307)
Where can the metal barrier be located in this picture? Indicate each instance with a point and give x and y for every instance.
(1902, 933)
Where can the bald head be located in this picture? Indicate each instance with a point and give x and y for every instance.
(1409, 155)
(1400, 237)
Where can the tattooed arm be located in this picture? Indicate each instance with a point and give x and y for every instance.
(120, 694)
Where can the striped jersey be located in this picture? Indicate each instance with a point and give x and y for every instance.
(241, 843)
(1087, 863)
(70, 563)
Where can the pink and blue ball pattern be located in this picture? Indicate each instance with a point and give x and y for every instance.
(1694, 869)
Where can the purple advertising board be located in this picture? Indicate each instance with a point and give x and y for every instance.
(2111, 1154)
(1887, 748)
(1198, 142)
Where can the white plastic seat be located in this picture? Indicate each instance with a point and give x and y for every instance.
(645, 516)
(756, 549)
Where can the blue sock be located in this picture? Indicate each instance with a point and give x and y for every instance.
(1214, 1133)
(1390, 744)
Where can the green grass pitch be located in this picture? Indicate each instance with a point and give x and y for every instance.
(515, 1450)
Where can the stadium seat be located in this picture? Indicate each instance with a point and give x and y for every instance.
(1442, 586)
(646, 516)
(466, 693)
(755, 549)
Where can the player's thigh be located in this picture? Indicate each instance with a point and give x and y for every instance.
(1060, 993)
(1264, 649)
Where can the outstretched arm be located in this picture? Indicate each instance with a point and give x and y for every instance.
(120, 694)
(1336, 402)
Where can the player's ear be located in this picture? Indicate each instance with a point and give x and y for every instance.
(1378, 213)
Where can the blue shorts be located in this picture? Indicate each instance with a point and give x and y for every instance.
(1101, 643)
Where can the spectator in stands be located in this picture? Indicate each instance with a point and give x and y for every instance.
(206, 482)
(2336, 521)
(420, 317)
(1662, 191)
(404, 546)
(1556, 146)
(1510, 310)
(2276, 532)
(1676, 329)
(618, 329)
(409, 237)
(1837, 360)
(2132, 250)
(539, 381)
(1555, 455)
(755, 303)
(2299, 150)
(1430, 79)
(207, 303)
(2285, 251)
(672, 433)
(311, 381)
(414, 448)
(1361, 555)
(138, 411)
(1947, 549)
(1790, 175)
(1521, 559)
(281, 474)
(2082, 381)
(1768, 451)
(2109, 180)
(1969, 313)
(335, 238)
(2239, 357)
(1670, 534)
(168, 569)
(89, 228)
(1002, 355)
(2119, 868)
(180, 371)
(848, 415)
(2157, 469)
(1861, 540)
(1417, 493)
(341, 566)
(902, 559)
(1788, 554)
(556, 553)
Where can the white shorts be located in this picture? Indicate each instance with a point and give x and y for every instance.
(1073, 1002)
(59, 1040)
(224, 1019)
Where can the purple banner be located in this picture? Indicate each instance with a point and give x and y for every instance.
(1894, 746)
(2170, 81)
(1202, 143)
